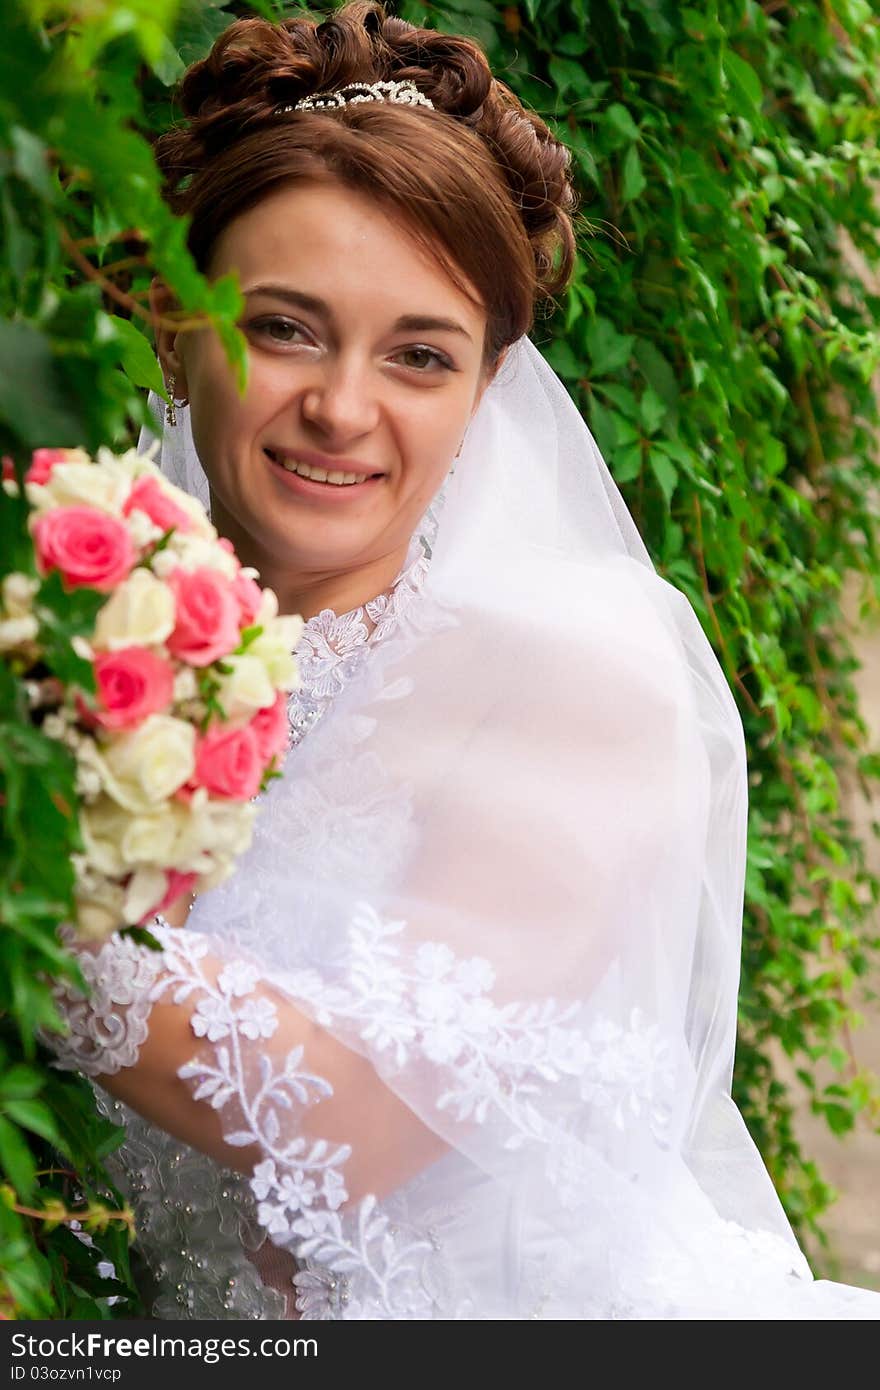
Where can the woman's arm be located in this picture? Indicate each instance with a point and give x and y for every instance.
(206, 1039)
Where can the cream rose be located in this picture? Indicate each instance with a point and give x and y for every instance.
(142, 530)
(155, 838)
(16, 632)
(274, 648)
(100, 910)
(74, 483)
(141, 769)
(213, 831)
(192, 552)
(247, 688)
(144, 890)
(18, 592)
(140, 613)
(131, 463)
(103, 825)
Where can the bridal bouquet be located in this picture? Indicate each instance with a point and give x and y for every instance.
(171, 696)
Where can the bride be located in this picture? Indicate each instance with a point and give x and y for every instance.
(456, 1039)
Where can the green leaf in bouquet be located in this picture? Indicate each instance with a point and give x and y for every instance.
(248, 636)
(271, 775)
(64, 614)
(141, 937)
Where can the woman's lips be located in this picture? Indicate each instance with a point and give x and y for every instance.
(327, 492)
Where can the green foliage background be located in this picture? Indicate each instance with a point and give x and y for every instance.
(721, 346)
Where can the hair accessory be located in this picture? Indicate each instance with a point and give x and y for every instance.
(404, 93)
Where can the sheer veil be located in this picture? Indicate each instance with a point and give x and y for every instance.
(524, 816)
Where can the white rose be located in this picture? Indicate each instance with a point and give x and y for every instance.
(15, 632)
(143, 768)
(247, 688)
(268, 609)
(139, 613)
(213, 830)
(154, 839)
(144, 890)
(142, 530)
(274, 647)
(186, 687)
(74, 483)
(103, 826)
(189, 552)
(100, 910)
(18, 594)
(131, 463)
(219, 874)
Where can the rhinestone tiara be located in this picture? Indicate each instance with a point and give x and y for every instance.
(404, 93)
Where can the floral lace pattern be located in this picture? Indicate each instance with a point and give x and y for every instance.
(332, 646)
(108, 1027)
(494, 1060)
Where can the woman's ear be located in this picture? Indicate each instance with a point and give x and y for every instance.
(162, 301)
(487, 380)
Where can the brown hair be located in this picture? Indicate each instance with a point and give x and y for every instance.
(481, 181)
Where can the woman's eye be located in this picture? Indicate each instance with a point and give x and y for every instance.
(278, 329)
(430, 354)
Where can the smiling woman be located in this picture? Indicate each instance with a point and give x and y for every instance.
(373, 226)
(343, 393)
(455, 1041)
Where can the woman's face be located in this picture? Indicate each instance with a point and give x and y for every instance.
(365, 360)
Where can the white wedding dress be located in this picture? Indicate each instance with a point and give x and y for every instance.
(504, 870)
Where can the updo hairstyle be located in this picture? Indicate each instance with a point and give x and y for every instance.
(480, 181)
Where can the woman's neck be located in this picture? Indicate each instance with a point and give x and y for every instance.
(308, 594)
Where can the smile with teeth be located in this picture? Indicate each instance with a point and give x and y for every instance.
(319, 475)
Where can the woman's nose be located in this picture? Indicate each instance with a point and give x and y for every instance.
(341, 401)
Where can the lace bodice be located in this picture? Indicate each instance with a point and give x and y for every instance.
(332, 646)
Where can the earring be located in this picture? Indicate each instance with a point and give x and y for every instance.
(457, 452)
(170, 412)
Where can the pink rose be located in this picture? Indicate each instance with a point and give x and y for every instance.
(42, 463)
(132, 683)
(271, 729)
(228, 762)
(249, 595)
(207, 621)
(149, 496)
(176, 884)
(88, 547)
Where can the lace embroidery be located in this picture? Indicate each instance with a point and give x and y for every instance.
(108, 1027)
(332, 647)
(496, 1060)
(495, 1056)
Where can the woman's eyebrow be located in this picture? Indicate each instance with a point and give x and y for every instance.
(418, 323)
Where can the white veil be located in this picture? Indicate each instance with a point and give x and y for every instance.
(524, 818)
